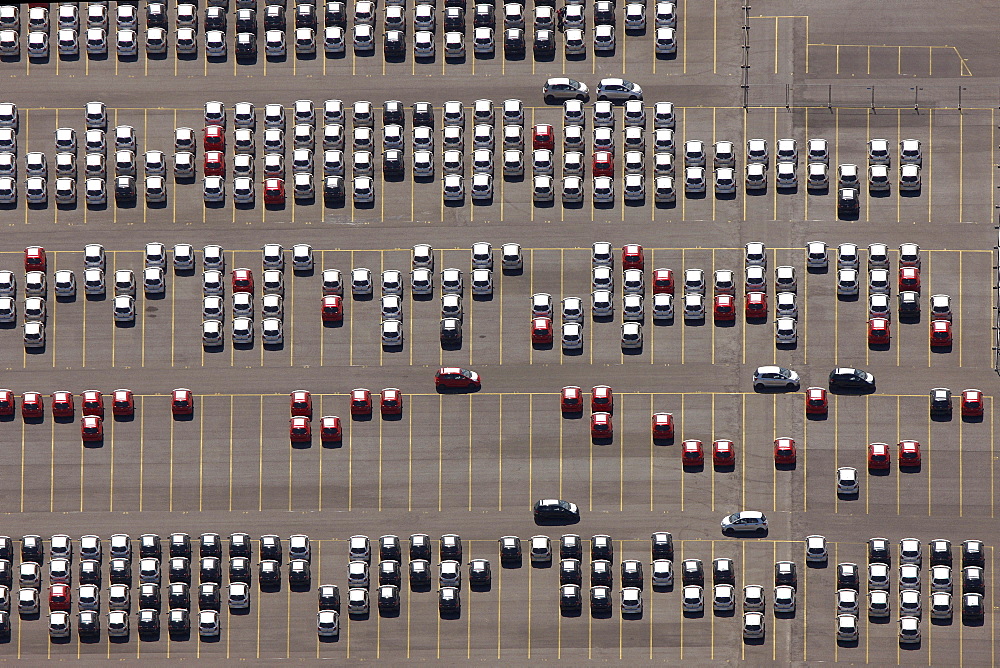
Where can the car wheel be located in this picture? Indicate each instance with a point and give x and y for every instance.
(602, 98)
(549, 99)
(790, 386)
(758, 387)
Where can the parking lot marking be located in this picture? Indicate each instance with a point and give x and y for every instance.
(992, 459)
(440, 453)
(260, 458)
(379, 471)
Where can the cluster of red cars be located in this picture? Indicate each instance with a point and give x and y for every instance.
(723, 453)
(331, 430)
(879, 458)
(63, 406)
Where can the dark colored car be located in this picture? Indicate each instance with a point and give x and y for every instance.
(333, 190)
(785, 574)
(570, 547)
(394, 43)
(545, 43)
(179, 621)
(451, 330)
(556, 509)
(847, 201)
(878, 551)
(246, 45)
(392, 163)
(940, 401)
(149, 546)
(239, 545)
(335, 15)
(846, 378)
(125, 189)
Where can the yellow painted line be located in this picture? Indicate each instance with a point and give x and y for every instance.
(232, 406)
(171, 493)
(440, 453)
(684, 50)
(260, 461)
(52, 468)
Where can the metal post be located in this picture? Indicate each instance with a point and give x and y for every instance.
(873, 99)
(916, 106)
(787, 94)
(960, 89)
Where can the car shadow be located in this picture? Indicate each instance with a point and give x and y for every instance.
(853, 391)
(663, 441)
(880, 473)
(816, 417)
(551, 521)
(941, 350)
(694, 468)
(632, 351)
(602, 440)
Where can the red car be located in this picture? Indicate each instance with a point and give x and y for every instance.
(32, 405)
(725, 307)
(571, 399)
(34, 258)
(600, 425)
(7, 402)
(274, 191)
(692, 453)
(909, 453)
(122, 403)
(663, 281)
(724, 453)
(543, 137)
(59, 597)
(92, 403)
(756, 305)
(972, 403)
(301, 403)
(182, 402)
(330, 429)
(784, 451)
(215, 163)
(602, 399)
(392, 401)
(816, 402)
(242, 280)
(909, 279)
(361, 402)
(454, 376)
(878, 456)
(663, 425)
(215, 138)
(878, 331)
(632, 257)
(604, 163)
(541, 330)
(333, 308)
(62, 404)
(941, 333)
(91, 428)
(299, 429)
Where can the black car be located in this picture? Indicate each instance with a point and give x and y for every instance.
(423, 114)
(246, 20)
(180, 545)
(847, 201)
(972, 553)
(149, 546)
(513, 41)
(32, 548)
(329, 597)
(6, 573)
(239, 570)
(972, 580)
(239, 545)
(149, 621)
(545, 42)
(156, 15)
(451, 547)
(479, 572)
(451, 330)
(847, 378)
(270, 547)
(631, 573)
(510, 549)
(88, 623)
(179, 595)
(847, 576)
(298, 572)
(454, 19)
(274, 17)
(723, 571)
(600, 598)
(305, 16)
(180, 569)
(878, 551)
(333, 190)
(392, 162)
(210, 545)
(420, 546)
(601, 547)
(120, 571)
(210, 570)
(269, 571)
(90, 572)
(556, 509)
(420, 572)
(662, 545)
(601, 572)
(569, 597)
(125, 189)
(149, 596)
(692, 572)
(784, 574)
(246, 45)
(570, 571)
(209, 597)
(393, 113)
(604, 13)
(449, 599)
(940, 401)
(483, 17)
(335, 15)
(215, 18)
(394, 43)
(940, 549)
(388, 572)
(179, 621)
(6, 548)
(972, 607)
(388, 548)
(570, 547)
(388, 598)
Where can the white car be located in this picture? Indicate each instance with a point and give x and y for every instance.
(664, 191)
(666, 40)
(392, 333)
(632, 309)
(785, 330)
(271, 331)
(602, 303)
(909, 177)
(663, 306)
(785, 176)
(572, 336)
(878, 152)
(632, 333)
(633, 188)
(878, 178)
(817, 176)
(694, 306)
(694, 180)
(757, 151)
(909, 152)
(847, 628)
(847, 282)
(725, 180)
(453, 187)
(693, 599)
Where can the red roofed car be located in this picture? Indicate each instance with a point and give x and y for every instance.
(34, 258)
(725, 307)
(941, 333)
(571, 399)
(878, 331)
(62, 404)
(972, 403)
(242, 280)
(816, 401)
(756, 305)
(457, 377)
(909, 279)
(122, 403)
(878, 456)
(909, 453)
(182, 402)
(361, 402)
(7, 402)
(541, 330)
(663, 281)
(91, 428)
(784, 451)
(723, 453)
(632, 257)
(601, 425)
(391, 402)
(543, 137)
(602, 399)
(692, 453)
(330, 428)
(663, 425)
(92, 403)
(215, 138)
(32, 405)
(299, 429)
(300, 403)
(333, 308)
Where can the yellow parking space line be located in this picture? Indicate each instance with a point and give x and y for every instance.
(992, 459)
(142, 448)
(961, 321)
(683, 423)
(232, 407)
(961, 170)
(171, 493)
(379, 470)
(260, 461)
(111, 483)
(52, 468)
(440, 452)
